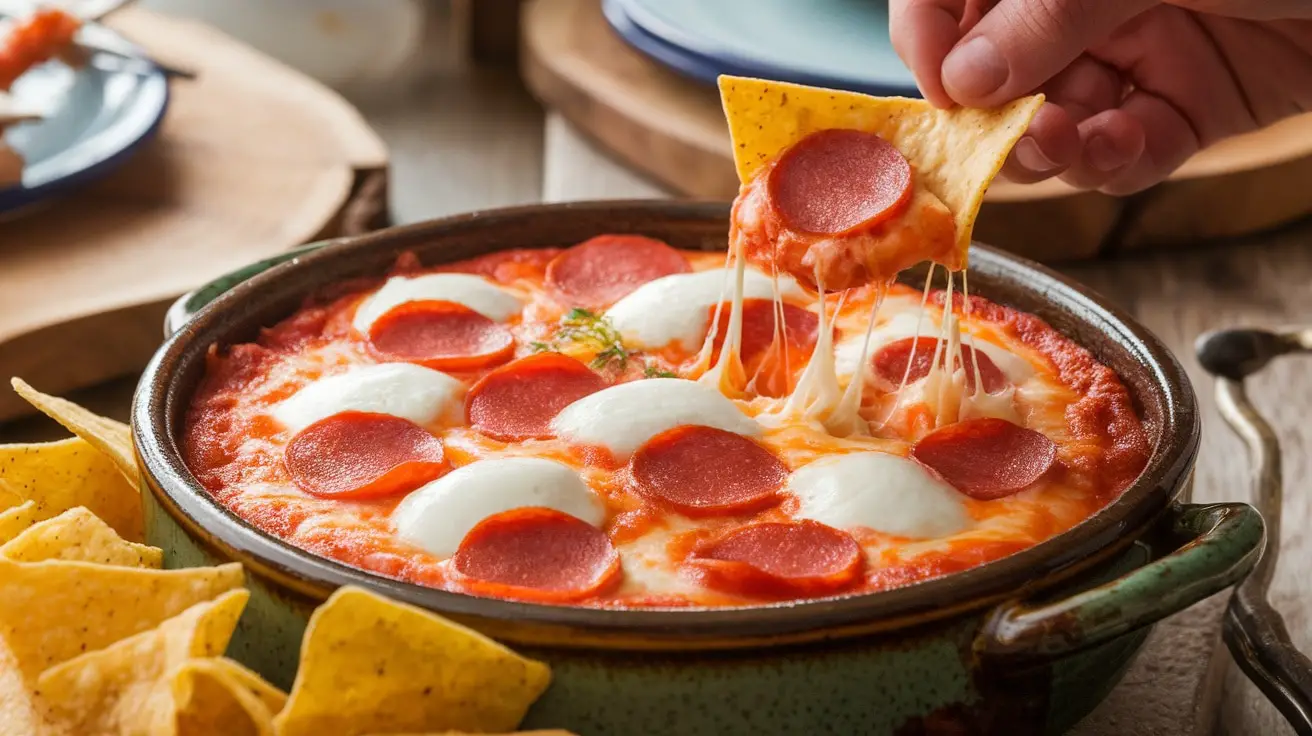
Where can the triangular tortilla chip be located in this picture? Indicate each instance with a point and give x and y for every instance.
(128, 686)
(61, 475)
(19, 715)
(371, 665)
(14, 520)
(954, 153)
(211, 699)
(272, 698)
(78, 534)
(53, 611)
(110, 437)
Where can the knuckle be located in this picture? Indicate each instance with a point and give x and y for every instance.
(1053, 21)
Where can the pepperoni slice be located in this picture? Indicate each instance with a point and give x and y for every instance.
(891, 363)
(797, 558)
(358, 454)
(772, 364)
(442, 335)
(537, 554)
(519, 400)
(986, 458)
(602, 270)
(703, 471)
(833, 182)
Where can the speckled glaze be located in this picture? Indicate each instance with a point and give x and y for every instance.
(1026, 644)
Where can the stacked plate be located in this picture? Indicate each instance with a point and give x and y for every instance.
(842, 44)
(92, 119)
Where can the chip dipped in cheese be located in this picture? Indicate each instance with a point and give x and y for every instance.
(438, 515)
(953, 153)
(421, 395)
(623, 417)
(878, 491)
(472, 291)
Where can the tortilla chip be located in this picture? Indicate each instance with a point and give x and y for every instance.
(371, 665)
(110, 437)
(84, 607)
(272, 698)
(127, 687)
(19, 715)
(78, 534)
(954, 153)
(210, 699)
(14, 521)
(58, 476)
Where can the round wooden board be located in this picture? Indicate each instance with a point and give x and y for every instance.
(252, 158)
(672, 129)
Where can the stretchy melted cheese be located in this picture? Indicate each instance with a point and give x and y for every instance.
(614, 454)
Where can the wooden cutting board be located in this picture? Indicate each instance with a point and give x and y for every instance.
(252, 158)
(672, 129)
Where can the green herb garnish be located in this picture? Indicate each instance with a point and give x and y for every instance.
(651, 371)
(594, 332)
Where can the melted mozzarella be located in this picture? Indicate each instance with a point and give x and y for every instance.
(623, 417)
(409, 391)
(879, 491)
(675, 309)
(472, 291)
(438, 515)
(847, 353)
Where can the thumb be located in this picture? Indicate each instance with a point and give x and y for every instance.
(1020, 44)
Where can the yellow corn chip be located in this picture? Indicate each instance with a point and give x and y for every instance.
(55, 610)
(14, 520)
(272, 698)
(58, 476)
(19, 715)
(371, 665)
(110, 437)
(955, 153)
(210, 699)
(78, 534)
(127, 687)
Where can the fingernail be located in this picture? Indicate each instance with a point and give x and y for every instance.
(975, 69)
(1102, 155)
(1029, 155)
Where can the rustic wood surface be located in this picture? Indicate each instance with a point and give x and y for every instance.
(673, 129)
(465, 139)
(252, 158)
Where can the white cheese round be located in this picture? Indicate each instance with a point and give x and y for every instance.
(623, 417)
(879, 491)
(438, 515)
(405, 390)
(472, 291)
(674, 309)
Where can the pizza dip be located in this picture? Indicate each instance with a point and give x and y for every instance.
(619, 423)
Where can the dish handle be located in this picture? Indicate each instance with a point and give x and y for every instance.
(188, 305)
(1218, 545)
(1253, 630)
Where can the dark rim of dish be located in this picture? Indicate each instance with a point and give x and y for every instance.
(1161, 391)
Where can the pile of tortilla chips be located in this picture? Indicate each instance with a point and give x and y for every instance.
(96, 639)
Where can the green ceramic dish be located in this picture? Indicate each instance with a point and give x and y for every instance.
(1029, 643)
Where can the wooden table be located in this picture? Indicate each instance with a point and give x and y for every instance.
(464, 138)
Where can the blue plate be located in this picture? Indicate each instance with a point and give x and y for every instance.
(94, 118)
(841, 44)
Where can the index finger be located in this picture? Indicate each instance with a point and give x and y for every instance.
(923, 32)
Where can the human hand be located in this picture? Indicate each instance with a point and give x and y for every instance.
(1134, 87)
